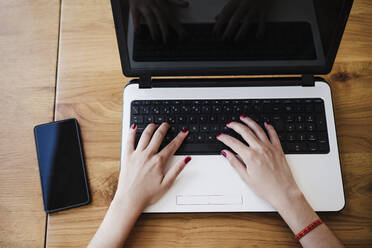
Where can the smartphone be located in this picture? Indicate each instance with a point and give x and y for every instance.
(63, 177)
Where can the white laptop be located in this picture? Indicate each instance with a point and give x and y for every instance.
(281, 37)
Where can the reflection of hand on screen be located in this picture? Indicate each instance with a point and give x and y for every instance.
(237, 17)
(159, 16)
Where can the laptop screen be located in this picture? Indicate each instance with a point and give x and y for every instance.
(183, 37)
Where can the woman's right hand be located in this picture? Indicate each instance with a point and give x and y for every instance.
(262, 165)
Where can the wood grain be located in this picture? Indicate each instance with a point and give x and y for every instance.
(28, 52)
(90, 86)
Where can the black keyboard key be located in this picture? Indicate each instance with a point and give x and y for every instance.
(181, 119)
(170, 119)
(159, 119)
(203, 119)
(137, 119)
(312, 137)
(140, 128)
(204, 128)
(175, 109)
(144, 110)
(135, 110)
(185, 109)
(299, 118)
(291, 137)
(212, 118)
(289, 118)
(194, 128)
(189, 139)
(313, 147)
(201, 149)
(192, 119)
(199, 138)
(297, 147)
(321, 123)
(310, 127)
(300, 127)
(290, 127)
(301, 137)
(323, 147)
(216, 109)
(309, 118)
(323, 137)
(149, 119)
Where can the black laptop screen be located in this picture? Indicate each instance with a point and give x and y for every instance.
(167, 37)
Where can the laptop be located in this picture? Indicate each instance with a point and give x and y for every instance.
(219, 38)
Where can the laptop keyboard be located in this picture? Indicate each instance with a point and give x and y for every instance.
(300, 123)
(282, 41)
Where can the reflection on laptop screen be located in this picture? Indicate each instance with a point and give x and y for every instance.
(181, 33)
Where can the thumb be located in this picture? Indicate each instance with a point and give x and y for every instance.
(174, 171)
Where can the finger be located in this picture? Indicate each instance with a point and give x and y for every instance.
(151, 23)
(173, 146)
(174, 171)
(136, 20)
(274, 138)
(131, 139)
(261, 27)
(162, 24)
(245, 132)
(235, 144)
(234, 23)
(179, 28)
(238, 165)
(224, 16)
(258, 131)
(158, 137)
(244, 28)
(146, 136)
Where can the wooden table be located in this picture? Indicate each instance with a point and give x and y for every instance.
(89, 87)
(28, 57)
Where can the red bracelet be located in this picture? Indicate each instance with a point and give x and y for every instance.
(308, 229)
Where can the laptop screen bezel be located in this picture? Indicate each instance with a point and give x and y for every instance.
(213, 71)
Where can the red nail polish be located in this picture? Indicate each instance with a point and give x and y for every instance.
(267, 122)
(218, 134)
(228, 123)
(243, 116)
(223, 153)
(187, 159)
(134, 125)
(185, 130)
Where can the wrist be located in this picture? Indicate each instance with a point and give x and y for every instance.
(290, 196)
(126, 201)
(295, 210)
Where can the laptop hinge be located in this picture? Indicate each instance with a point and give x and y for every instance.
(145, 81)
(308, 80)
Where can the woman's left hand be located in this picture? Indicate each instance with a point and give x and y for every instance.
(143, 179)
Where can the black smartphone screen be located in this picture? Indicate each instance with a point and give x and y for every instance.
(61, 165)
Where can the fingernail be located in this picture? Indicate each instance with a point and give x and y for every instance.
(223, 153)
(185, 130)
(134, 125)
(218, 134)
(267, 123)
(187, 159)
(228, 123)
(243, 116)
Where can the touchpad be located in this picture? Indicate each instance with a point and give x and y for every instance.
(209, 199)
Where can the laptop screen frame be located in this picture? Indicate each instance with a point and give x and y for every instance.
(213, 71)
